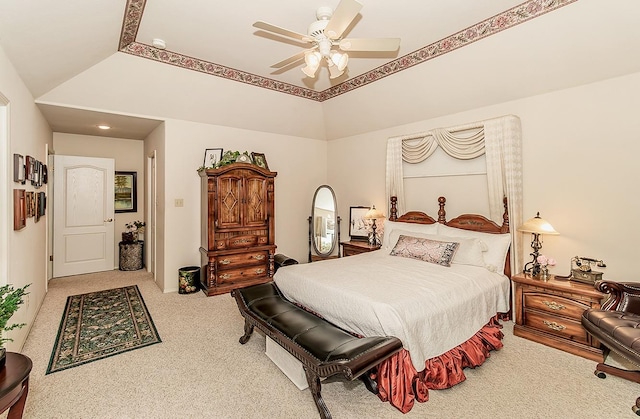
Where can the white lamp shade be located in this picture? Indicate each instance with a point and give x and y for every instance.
(333, 70)
(373, 214)
(537, 225)
(340, 60)
(312, 59)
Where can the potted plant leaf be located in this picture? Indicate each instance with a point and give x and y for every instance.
(10, 301)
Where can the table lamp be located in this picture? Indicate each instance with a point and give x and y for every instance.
(374, 214)
(536, 226)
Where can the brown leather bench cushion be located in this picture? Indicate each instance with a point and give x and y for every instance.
(326, 345)
(618, 330)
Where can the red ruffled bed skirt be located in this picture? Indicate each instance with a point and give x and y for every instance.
(401, 385)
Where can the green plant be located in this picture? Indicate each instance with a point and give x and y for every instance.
(10, 300)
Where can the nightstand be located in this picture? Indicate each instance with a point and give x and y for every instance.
(355, 247)
(549, 312)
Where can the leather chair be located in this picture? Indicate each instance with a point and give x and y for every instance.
(617, 326)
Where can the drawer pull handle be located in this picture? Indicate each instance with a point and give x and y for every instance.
(258, 257)
(259, 271)
(553, 305)
(554, 326)
(225, 276)
(225, 262)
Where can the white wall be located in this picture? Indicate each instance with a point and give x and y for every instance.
(29, 134)
(128, 156)
(579, 170)
(301, 165)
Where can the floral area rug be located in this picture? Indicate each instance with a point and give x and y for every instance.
(102, 324)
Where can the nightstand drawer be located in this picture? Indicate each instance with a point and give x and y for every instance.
(558, 306)
(566, 328)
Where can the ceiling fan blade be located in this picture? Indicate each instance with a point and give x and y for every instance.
(297, 57)
(342, 17)
(370, 44)
(281, 31)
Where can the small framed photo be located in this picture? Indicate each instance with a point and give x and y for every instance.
(126, 192)
(212, 157)
(18, 168)
(260, 160)
(19, 209)
(31, 205)
(358, 226)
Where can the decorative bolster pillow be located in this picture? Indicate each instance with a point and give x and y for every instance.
(432, 251)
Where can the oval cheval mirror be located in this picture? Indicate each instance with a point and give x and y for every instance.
(324, 225)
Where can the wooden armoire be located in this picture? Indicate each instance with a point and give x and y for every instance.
(238, 227)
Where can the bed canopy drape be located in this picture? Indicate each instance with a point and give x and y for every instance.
(500, 139)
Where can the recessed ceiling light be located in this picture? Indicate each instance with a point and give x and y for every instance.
(102, 126)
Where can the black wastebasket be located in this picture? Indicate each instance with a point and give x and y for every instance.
(280, 260)
(188, 279)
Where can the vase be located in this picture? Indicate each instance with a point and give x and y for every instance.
(128, 237)
(544, 273)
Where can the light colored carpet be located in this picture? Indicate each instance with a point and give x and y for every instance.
(201, 371)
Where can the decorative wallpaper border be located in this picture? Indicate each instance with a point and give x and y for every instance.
(505, 20)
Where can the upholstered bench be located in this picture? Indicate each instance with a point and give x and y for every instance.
(617, 327)
(323, 348)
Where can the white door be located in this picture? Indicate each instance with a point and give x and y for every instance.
(83, 229)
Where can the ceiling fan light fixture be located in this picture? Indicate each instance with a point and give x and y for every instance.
(340, 59)
(312, 59)
(333, 71)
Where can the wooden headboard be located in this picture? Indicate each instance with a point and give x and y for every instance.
(473, 222)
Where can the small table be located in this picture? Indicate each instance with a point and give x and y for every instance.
(354, 247)
(14, 384)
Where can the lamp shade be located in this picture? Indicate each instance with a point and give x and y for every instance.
(312, 59)
(537, 225)
(373, 214)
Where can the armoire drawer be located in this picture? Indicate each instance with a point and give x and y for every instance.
(250, 258)
(241, 274)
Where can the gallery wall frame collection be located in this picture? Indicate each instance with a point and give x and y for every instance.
(28, 204)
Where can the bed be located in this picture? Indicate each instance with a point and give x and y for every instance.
(439, 286)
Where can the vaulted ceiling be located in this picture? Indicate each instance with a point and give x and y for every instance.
(52, 42)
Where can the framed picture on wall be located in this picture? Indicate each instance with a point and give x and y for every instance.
(19, 209)
(18, 168)
(126, 192)
(358, 226)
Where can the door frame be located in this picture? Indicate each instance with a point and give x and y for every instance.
(151, 214)
(6, 199)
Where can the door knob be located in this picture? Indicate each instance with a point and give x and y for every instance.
(108, 220)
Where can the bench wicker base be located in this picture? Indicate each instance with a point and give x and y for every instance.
(323, 348)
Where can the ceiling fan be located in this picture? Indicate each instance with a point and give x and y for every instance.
(325, 37)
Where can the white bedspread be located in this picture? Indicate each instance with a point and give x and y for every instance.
(430, 308)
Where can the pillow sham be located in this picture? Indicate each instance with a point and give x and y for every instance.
(498, 245)
(432, 251)
(470, 251)
(390, 226)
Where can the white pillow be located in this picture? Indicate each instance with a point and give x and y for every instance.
(498, 245)
(470, 250)
(390, 226)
